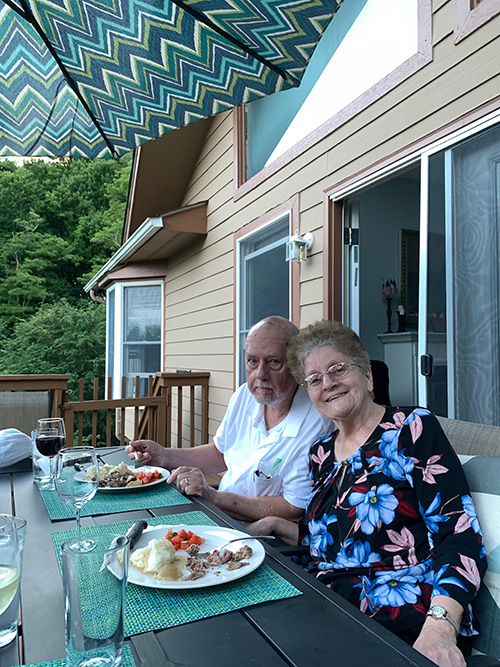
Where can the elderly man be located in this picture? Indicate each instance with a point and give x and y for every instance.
(262, 443)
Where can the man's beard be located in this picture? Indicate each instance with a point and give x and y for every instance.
(271, 401)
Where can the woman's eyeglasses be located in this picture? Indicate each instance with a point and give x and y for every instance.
(336, 372)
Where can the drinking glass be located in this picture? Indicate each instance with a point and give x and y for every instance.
(48, 438)
(71, 481)
(8, 627)
(94, 600)
(10, 573)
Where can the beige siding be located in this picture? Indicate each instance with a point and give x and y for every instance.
(200, 283)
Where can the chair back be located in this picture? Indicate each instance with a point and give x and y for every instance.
(380, 373)
(482, 474)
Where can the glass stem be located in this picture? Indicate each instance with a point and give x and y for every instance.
(78, 526)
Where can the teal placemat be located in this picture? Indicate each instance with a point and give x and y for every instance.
(154, 609)
(161, 495)
(127, 660)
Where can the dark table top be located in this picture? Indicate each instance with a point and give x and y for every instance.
(315, 628)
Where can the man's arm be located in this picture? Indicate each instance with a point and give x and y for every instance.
(251, 509)
(205, 457)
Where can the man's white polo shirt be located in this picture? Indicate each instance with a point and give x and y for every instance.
(269, 463)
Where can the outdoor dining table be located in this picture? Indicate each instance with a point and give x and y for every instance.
(308, 625)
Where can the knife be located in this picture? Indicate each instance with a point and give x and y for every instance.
(133, 534)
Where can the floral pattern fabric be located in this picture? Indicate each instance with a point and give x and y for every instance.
(394, 524)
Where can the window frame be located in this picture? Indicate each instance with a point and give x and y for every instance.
(290, 208)
(118, 328)
(467, 18)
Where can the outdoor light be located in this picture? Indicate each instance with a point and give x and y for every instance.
(297, 247)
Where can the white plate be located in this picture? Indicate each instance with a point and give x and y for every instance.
(80, 477)
(215, 536)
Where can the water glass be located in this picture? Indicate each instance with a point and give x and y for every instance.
(10, 616)
(41, 467)
(10, 574)
(72, 484)
(94, 596)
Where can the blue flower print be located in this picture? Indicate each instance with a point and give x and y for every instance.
(470, 510)
(439, 581)
(375, 506)
(393, 463)
(396, 588)
(432, 520)
(320, 538)
(356, 554)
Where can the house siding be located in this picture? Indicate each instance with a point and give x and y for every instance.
(461, 79)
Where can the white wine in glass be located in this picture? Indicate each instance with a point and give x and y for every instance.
(10, 572)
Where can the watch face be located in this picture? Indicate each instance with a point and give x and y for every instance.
(438, 611)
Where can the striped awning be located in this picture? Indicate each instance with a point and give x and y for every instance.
(96, 78)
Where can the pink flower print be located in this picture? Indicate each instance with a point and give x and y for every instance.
(404, 540)
(320, 457)
(471, 573)
(399, 419)
(433, 468)
(416, 428)
(463, 523)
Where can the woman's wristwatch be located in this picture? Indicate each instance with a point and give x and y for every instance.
(437, 612)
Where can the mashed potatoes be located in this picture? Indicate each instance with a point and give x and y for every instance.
(154, 557)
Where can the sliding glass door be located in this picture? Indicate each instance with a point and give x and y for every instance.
(460, 279)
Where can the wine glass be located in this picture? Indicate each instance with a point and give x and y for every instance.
(50, 437)
(10, 572)
(73, 485)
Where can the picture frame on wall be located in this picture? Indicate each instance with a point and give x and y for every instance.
(409, 269)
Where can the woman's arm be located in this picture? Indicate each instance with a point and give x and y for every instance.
(438, 638)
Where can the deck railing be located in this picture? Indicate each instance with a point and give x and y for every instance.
(175, 412)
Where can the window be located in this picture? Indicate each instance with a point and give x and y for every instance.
(264, 280)
(134, 336)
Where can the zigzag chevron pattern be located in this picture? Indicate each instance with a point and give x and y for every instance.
(143, 67)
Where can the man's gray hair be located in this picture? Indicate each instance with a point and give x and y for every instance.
(286, 328)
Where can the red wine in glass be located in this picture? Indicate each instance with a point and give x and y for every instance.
(48, 444)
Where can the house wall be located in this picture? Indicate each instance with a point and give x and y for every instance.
(461, 82)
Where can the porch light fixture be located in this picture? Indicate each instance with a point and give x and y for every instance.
(298, 246)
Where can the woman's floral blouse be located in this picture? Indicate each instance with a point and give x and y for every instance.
(394, 524)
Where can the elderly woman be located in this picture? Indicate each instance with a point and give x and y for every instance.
(391, 525)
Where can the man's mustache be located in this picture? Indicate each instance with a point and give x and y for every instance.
(263, 385)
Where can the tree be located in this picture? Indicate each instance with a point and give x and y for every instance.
(59, 338)
(60, 221)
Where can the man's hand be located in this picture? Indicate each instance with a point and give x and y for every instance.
(286, 530)
(148, 452)
(192, 482)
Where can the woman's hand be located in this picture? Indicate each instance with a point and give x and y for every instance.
(438, 643)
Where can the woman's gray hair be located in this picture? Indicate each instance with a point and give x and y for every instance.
(325, 333)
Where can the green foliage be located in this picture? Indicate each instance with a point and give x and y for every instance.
(59, 338)
(60, 221)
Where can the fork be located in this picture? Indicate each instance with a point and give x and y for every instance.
(203, 554)
(137, 462)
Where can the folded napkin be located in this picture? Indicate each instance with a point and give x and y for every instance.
(150, 609)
